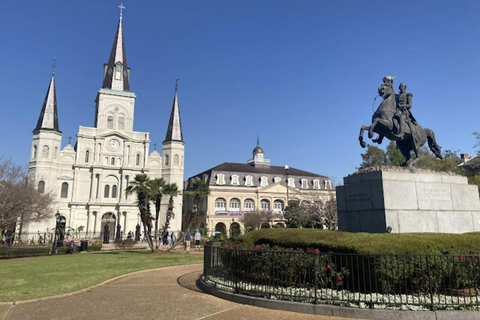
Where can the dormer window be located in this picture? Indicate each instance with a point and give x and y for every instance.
(220, 179)
(118, 71)
(304, 184)
(235, 180)
(277, 179)
(249, 181)
(316, 184)
(291, 182)
(263, 181)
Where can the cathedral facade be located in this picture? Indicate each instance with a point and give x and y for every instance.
(88, 179)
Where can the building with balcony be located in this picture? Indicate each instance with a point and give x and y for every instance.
(237, 188)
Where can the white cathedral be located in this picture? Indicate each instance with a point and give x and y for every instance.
(88, 180)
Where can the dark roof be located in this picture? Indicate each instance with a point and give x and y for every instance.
(258, 149)
(174, 114)
(274, 170)
(55, 112)
(109, 74)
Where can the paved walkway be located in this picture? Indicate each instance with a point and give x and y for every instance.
(168, 293)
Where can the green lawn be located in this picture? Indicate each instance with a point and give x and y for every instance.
(29, 278)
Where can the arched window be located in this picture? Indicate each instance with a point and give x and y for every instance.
(166, 159)
(110, 122)
(265, 204)
(112, 161)
(45, 150)
(118, 71)
(175, 160)
(121, 123)
(278, 205)
(220, 204)
(64, 192)
(234, 204)
(87, 156)
(55, 152)
(106, 191)
(114, 191)
(34, 156)
(137, 161)
(41, 187)
(249, 205)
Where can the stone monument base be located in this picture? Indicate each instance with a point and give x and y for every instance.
(400, 200)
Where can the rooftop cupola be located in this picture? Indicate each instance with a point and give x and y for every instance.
(116, 72)
(258, 157)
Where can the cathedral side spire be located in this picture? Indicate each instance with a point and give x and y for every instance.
(117, 73)
(174, 131)
(48, 118)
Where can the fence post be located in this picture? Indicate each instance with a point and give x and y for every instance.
(235, 271)
(432, 305)
(315, 276)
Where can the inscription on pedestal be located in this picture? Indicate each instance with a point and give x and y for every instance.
(359, 198)
(434, 197)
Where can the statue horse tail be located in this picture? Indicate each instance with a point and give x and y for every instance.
(432, 143)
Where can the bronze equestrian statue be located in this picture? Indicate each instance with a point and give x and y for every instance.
(394, 121)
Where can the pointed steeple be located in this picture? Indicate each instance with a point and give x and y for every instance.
(117, 73)
(48, 119)
(174, 131)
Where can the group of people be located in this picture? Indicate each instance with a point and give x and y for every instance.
(188, 240)
(168, 240)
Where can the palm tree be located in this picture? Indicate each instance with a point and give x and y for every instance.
(140, 186)
(198, 188)
(156, 192)
(171, 190)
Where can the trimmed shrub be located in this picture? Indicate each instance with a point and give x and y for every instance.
(367, 243)
(124, 244)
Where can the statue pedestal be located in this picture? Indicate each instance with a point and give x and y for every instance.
(377, 198)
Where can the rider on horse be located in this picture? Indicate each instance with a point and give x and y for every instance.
(403, 114)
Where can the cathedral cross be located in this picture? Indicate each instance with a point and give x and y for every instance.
(69, 140)
(155, 145)
(121, 7)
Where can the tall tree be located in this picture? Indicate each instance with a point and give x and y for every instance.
(171, 190)
(373, 156)
(21, 201)
(197, 189)
(156, 192)
(393, 155)
(140, 186)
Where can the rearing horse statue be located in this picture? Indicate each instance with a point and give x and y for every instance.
(413, 137)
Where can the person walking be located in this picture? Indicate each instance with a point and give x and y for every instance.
(188, 239)
(165, 241)
(173, 240)
(198, 237)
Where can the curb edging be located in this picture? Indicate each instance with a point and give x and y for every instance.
(337, 311)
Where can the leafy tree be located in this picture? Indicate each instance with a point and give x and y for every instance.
(155, 187)
(198, 189)
(20, 200)
(252, 220)
(141, 187)
(170, 190)
(297, 215)
(393, 155)
(373, 156)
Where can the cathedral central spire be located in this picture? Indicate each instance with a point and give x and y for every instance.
(117, 73)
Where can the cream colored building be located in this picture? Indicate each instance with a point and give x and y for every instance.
(88, 178)
(236, 188)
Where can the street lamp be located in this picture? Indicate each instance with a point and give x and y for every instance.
(57, 221)
(286, 174)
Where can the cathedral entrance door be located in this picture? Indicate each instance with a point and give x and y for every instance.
(109, 219)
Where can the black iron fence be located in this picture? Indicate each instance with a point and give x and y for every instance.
(367, 281)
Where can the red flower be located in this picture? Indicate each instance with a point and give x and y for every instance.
(329, 267)
(254, 249)
(291, 249)
(462, 257)
(317, 251)
(226, 247)
(478, 257)
(339, 278)
(258, 246)
(244, 253)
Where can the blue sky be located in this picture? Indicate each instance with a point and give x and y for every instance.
(300, 74)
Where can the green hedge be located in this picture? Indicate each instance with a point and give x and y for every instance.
(367, 243)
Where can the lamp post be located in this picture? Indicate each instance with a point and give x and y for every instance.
(286, 174)
(54, 244)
